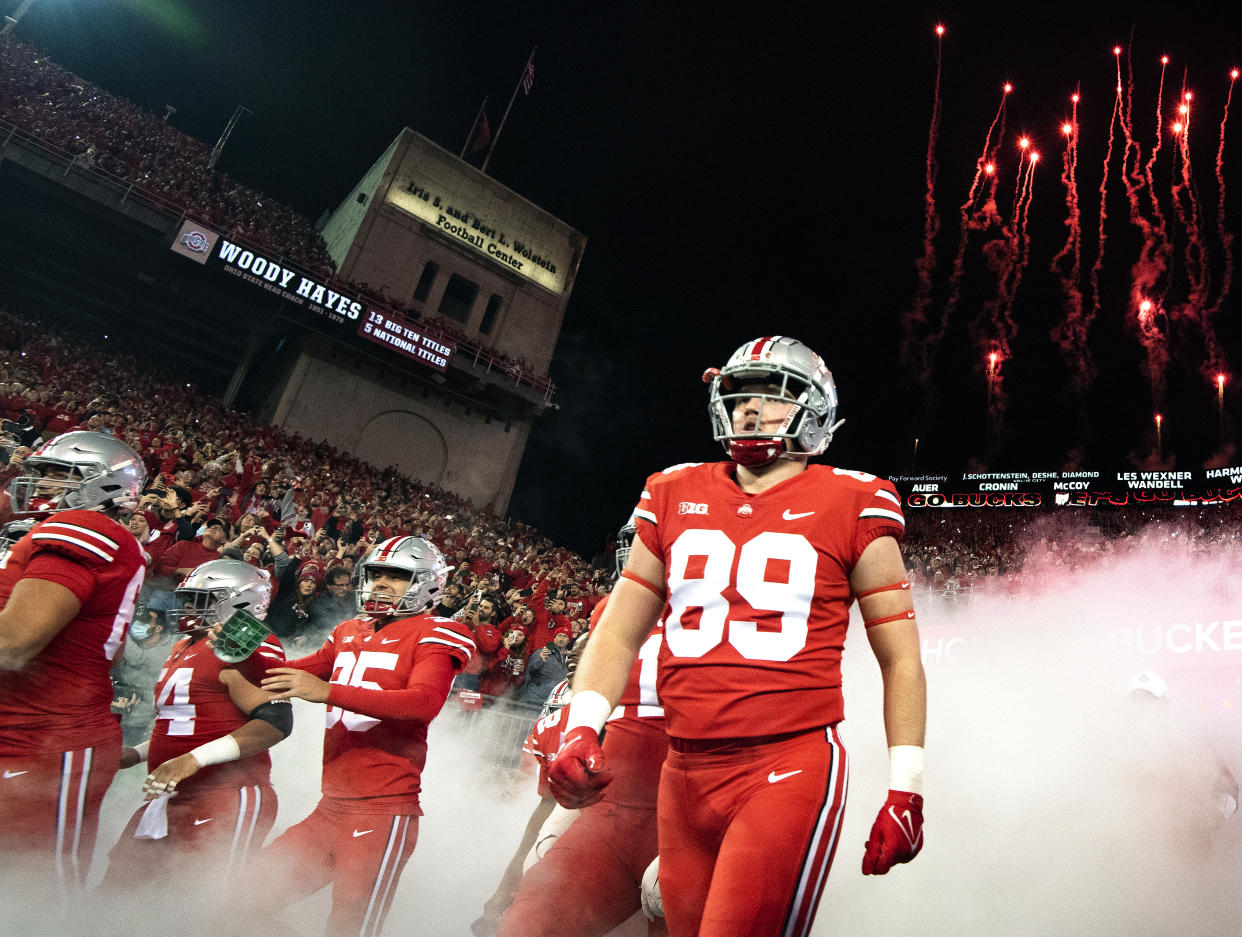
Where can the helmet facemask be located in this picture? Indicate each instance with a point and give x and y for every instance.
(50, 487)
(210, 595)
(625, 542)
(79, 470)
(201, 609)
(775, 372)
(414, 600)
(407, 556)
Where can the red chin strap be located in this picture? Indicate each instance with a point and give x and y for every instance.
(758, 450)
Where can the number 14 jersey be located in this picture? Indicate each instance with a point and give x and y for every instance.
(758, 593)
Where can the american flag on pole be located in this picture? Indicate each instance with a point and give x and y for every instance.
(528, 77)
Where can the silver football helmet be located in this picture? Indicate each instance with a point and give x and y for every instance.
(561, 695)
(12, 532)
(781, 370)
(80, 470)
(218, 588)
(625, 540)
(413, 556)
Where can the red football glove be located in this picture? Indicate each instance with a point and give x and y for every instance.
(577, 776)
(896, 835)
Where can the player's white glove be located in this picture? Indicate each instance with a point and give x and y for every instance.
(653, 904)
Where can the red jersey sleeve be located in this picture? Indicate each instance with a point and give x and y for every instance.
(268, 654)
(423, 697)
(70, 554)
(879, 515)
(449, 637)
(320, 663)
(650, 505)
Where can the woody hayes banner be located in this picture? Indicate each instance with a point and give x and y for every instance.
(1073, 488)
(389, 329)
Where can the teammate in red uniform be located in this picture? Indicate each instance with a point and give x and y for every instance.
(213, 728)
(589, 881)
(67, 592)
(541, 746)
(758, 560)
(384, 675)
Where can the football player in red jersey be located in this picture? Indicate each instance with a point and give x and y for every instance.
(753, 565)
(213, 728)
(67, 593)
(540, 745)
(578, 889)
(384, 675)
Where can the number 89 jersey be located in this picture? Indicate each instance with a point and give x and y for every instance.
(758, 593)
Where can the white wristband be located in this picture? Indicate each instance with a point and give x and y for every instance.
(142, 748)
(590, 709)
(216, 751)
(905, 768)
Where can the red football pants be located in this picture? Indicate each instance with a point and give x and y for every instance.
(360, 854)
(49, 810)
(211, 835)
(747, 835)
(590, 880)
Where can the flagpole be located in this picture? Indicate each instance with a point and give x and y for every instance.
(473, 128)
(513, 97)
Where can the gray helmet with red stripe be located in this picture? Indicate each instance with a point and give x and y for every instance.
(790, 371)
(80, 470)
(409, 556)
(625, 540)
(216, 589)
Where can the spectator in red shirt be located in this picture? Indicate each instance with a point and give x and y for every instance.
(184, 556)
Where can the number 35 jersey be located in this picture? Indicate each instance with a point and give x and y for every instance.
(377, 763)
(758, 593)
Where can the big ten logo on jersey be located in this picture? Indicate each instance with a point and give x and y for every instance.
(691, 507)
(350, 670)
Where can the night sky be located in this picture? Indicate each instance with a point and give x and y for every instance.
(739, 175)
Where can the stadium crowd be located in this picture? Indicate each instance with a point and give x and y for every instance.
(952, 552)
(221, 484)
(108, 134)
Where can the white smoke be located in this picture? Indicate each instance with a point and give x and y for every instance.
(1049, 809)
(1043, 816)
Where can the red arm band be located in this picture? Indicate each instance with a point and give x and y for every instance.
(900, 616)
(634, 577)
(891, 587)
